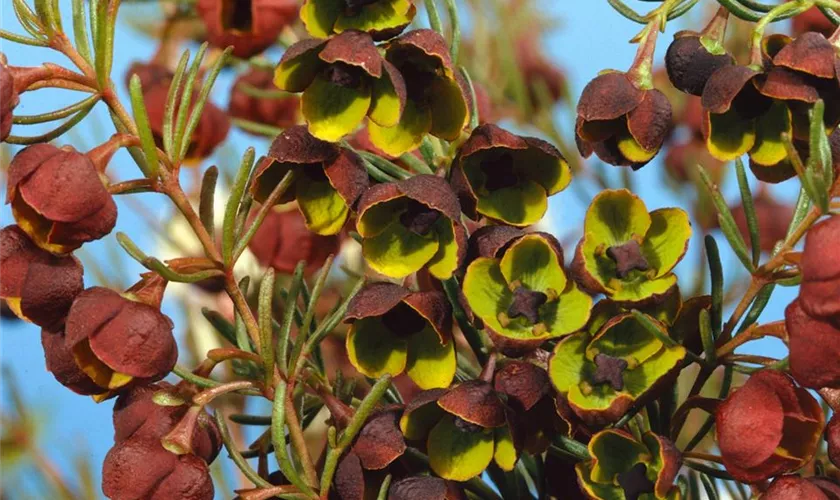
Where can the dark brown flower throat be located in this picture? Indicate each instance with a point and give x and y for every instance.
(635, 482)
(627, 257)
(526, 303)
(419, 218)
(609, 370)
(499, 172)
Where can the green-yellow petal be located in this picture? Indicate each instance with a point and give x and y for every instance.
(769, 148)
(457, 455)
(565, 368)
(637, 291)
(374, 350)
(319, 16)
(323, 208)
(532, 261)
(667, 239)
(553, 174)
(641, 379)
(295, 75)
(627, 339)
(407, 135)
(505, 454)
(730, 136)
(378, 16)
(615, 452)
(333, 111)
(449, 108)
(609, 491)
(445, 261)
(379, 216)
(614, 216)
(430, 364)
(385, 108)
(520, 205)
(569, 313)
(396, 252)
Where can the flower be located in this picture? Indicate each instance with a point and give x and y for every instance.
(37, 285)
(381, 19)
(832, 437)
(418, 487)
(250, 26)
(436, 104)
(117, 342)
(627, 253)
(818, 294)
(62, 364)
(328, 179)
(412, 224)
(465, 428)
(812, 20)
(810, 488)
(615, 364)
(343, 79)
(692, 57)
(59, 198)
(813, 347)
(9, 100)
(518, 288)
(394, 330)
(507, 178)
(767, 427)
(622, 467)
(277, 111)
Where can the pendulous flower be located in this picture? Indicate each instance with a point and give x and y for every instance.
(436, 100)
(343, 80)
(9, 100)
(806, 488)
(37, 285)
(518, 288)
(423, 487)
(507, 178)
(692, 57)
(328, 179)
(249, 26)
(814, 347)
(59, 197)
(767, 427)
(394, 330)
(275, 110)
(410, 225)
(627, 253)
(820, 289)
(381, 19)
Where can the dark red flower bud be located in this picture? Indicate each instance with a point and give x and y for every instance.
(142, 468)
(832, 436)
(59, 198)
(773, 219)
(693, 57)
(152, 411)
(37, 285)
(811, 488)
(9, 99)
(250, 26)
(150, 73)
(814, 346)
(812, 20)
(767, 427)
(820, 288)
(277, 111)
(283, 240)
(117, 341)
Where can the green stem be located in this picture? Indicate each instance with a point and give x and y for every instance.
(473, 336)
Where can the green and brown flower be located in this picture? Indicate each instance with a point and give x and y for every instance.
(382, 19)
(507, 178)
(624, 468)
(436, 101)
(627, 253)
(410, 225)
(343, 80)
(395, 330)
(328, 179)
(518, 288)
(613, 365)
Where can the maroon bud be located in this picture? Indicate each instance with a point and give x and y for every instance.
(117, 341)
(277, 111)
(820, 288)
(832, 436)
(37, 285)
(813, 346)
(811, 488)
(142, 468)
(9, 99)
(283, 240)
(693, 57)
(59, 198)
(150, 73)
(250, 26)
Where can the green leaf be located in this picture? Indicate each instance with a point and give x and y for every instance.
(264, 313)
(397, 252)
(198, 108)
(374, 350)
(240, 183)
(207, 200)
(727, 222)
(749, 210)
(430, 363)
(322, 206)
(415, 123)
(180, 137)
(333, 111)
(458, 455)
(169, 109)
(141, 117)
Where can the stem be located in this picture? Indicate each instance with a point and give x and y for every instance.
(241, 305)
(473, 336)
(791, 8)
(205, 397)
(299, 441)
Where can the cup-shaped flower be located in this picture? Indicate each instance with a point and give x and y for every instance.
(692, 57)
(249, 26)
(622, 467)
(465, 428)
(412, 224)
(627, 253)
(395, 330)
(436, 102)
(819, 294)
(623, 124)
(767, 427)
(507, 178)
(283, 240)
(328, 179)
(381, 19)
(281, 111)
(118, 342)
(521, 292)
(343, 80)
(59, 198)
(616, 364)
(805, 488)
(153, 411)
(142, 468)
(814, 347)
(37, 285)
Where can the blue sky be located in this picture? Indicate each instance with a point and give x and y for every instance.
(592, 37)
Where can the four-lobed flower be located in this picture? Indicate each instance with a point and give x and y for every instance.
(249, 26)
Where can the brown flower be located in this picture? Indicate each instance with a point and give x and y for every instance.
(810, 488)
(283, 240)
(62, 364)
(277, 111)
(812, 20)
(821, 270)
(58, 197)
(692, 57)
(117, 341)
(424, 488)
(767, 427)
(832, 436)
(814, 346)
(150, 74)
(250, 26)
(9, 99)
(37, 285)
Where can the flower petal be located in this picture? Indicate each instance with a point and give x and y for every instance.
(333, 111)
(430, 363)
(521, 205)
(452, 240)
(320, 16)
(396, 252)
(299, 65)
(458, 455)
(378, 16)
(416, 122)
(532, 261)
(388, 97)
(321, 205)
(614, 452)
(769, 149)
(449, 108)
(729, 135)
(667, 239)
(374, 350)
